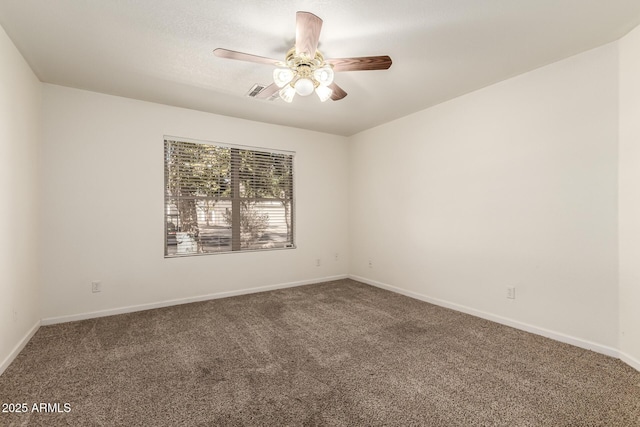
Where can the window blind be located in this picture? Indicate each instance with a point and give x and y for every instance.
(221, 198)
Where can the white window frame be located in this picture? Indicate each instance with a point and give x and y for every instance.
(235, 245)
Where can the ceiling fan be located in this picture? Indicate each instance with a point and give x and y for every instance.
(304, 69)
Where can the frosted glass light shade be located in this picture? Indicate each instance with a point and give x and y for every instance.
(282, 76)
(323, 92)
(287, 93)
(304, 87)
(324, 75)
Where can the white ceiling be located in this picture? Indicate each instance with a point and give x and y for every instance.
(161, 50)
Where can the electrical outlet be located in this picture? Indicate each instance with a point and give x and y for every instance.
(370, 263)
(96, 286)
(336, 256)
(511, 293)
(318, 262)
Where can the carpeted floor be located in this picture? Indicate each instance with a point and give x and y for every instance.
(337, 354)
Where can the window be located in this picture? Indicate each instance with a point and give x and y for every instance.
(223, 198)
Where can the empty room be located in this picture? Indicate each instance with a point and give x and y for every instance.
(320, 213)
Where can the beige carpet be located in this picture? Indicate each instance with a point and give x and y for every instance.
(337, 354)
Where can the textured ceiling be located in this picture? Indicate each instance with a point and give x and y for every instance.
(161, 50)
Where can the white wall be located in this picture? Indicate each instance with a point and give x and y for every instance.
(512, 185)
(102, 216)
(630, 197)
(20, 97)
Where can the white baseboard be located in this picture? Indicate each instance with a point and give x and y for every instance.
(558, 336)
(18, 348)
(168, 303)
(631, 361)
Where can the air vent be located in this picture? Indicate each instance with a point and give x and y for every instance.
(255, 89)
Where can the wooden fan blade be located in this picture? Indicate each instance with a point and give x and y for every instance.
(232, 54)
(308, 28)
(362, 63)
(337, 93)
(268, 91)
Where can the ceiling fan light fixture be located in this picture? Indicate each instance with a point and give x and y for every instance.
(324, 75)
(282, 76)
(304, 87)
(304, 69)
(323, 92)
(287, 93)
